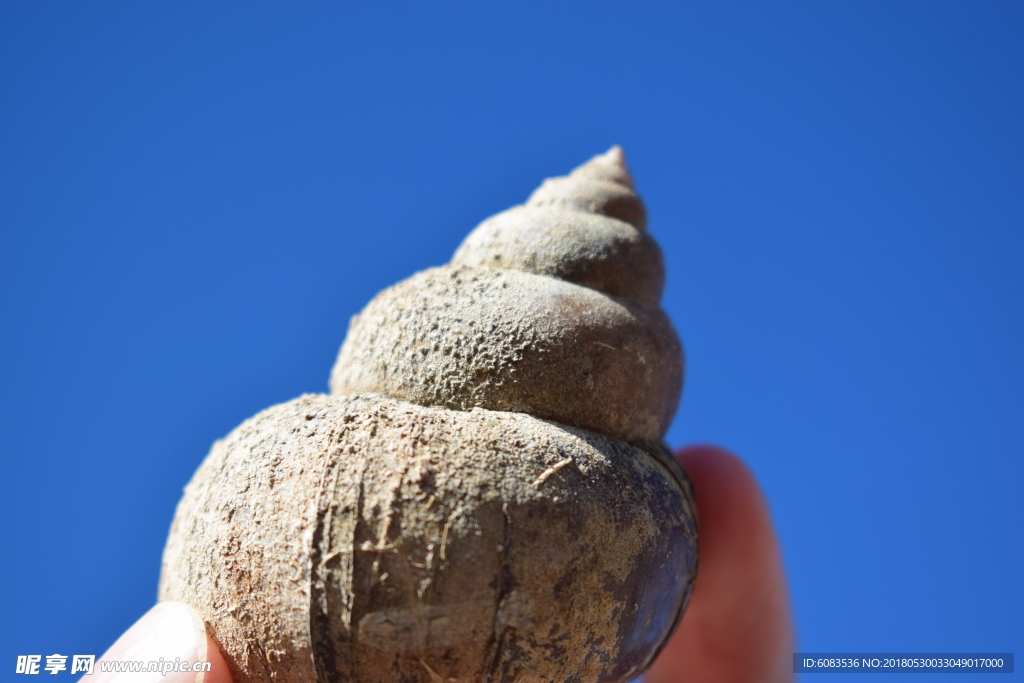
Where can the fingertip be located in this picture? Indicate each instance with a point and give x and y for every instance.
(707, 461)
(169, 633)
(731, 506)
(738, 626)
(206, 648)
(219, 671)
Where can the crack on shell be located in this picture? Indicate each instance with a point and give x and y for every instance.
(323, 650)
(505, 586)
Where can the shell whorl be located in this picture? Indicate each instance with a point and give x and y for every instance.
(588, 227)
(549, 308)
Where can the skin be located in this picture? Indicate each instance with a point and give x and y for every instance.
(737, 628)
(169, 631)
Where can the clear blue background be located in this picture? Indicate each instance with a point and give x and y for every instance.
(194, 199)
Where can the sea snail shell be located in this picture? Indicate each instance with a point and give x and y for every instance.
(550, 309)
(484, 495)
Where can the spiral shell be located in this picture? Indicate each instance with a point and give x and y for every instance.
(550, 308)
(484, 495)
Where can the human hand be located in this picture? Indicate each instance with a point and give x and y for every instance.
(170, 631)
(737, 628)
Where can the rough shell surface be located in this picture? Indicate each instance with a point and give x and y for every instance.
(508, 340)
(588, 249)
(484, 497)
(368, 539)
(549, 308)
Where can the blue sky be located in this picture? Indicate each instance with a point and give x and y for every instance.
(194, 199)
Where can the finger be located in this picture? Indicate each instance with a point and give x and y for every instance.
(738, 626)
(171, 632)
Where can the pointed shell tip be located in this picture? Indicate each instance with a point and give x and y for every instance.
(610, 166)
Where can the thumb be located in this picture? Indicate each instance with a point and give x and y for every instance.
(170, 634)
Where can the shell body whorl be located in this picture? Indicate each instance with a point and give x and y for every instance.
(423, 544)
(484, 496)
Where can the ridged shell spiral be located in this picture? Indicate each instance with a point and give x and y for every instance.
(484, 495)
